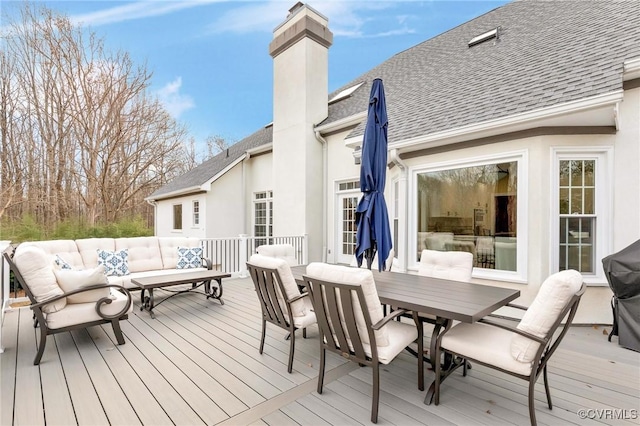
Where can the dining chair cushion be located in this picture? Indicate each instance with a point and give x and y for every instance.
(309, 318)
(448, 265)
(554, 295)
(485, 343)
(281, 251)
(298, 307)
(72, 279)
(364, 278)
(36, 267)
(80, 313)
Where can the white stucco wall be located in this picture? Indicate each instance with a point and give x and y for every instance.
(259, 178)
(164, 217)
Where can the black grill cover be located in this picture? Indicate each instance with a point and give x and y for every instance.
(623, 273)
(622, 270)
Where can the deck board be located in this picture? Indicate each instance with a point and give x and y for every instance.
(198, 363)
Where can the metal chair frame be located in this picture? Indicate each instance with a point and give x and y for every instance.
(548, 345)
(345, 339)
(40, 317)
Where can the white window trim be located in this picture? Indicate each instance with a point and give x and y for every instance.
(268, 198)
(337, 214)
(193, 214)
(521, 157)
(603, 156)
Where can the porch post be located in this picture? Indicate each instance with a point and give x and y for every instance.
(305, 249)
(244, 249)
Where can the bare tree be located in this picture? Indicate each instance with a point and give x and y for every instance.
(81, 136)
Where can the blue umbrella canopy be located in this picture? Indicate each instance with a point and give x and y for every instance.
(372, 219)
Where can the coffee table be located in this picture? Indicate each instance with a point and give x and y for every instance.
(196, 278)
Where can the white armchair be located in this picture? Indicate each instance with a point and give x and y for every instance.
(522, 351)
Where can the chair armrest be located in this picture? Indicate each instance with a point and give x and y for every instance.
(208, 263)
(99, 303)
(391, 316)
(298, 297)
(513, 305)
(514, 330)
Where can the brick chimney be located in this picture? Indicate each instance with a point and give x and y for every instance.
(300, 52)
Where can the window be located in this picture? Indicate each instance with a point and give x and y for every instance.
(263, 217)
(577, 215)
(472, 208)
(581, 208)
(177, 217)
(196, 213)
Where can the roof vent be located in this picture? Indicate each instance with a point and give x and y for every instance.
(345, 93)
(494, 33)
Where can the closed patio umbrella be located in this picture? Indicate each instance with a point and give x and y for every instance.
(372, 219)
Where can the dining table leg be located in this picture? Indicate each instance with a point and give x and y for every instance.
(448, 363)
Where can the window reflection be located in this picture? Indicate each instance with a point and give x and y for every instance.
(470, 209)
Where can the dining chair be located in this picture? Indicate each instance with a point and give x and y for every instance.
(281, 301)
(522, 351)
(281, 251)
(351, 322)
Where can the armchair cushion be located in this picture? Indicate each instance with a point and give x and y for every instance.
(116, 263)
(364, 278)
(448, 265)
(281, 251)
(80, 313)
(554, 295)
(69, 280)
(298, 307)
(36, 268)
(485, 343)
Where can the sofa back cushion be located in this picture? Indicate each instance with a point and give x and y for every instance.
(36, 267)
(144, 253)
(169, 249)
(66, 249)
(88, 249)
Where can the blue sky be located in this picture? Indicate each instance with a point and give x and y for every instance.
(210, 60)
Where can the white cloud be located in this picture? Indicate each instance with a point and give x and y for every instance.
(175, 102)
(136, 10)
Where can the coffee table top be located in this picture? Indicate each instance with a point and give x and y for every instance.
(175, 279)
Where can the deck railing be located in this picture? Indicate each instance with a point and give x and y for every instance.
(231, 254)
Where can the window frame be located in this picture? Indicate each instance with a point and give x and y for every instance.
(268, 199)
(603, 205)
(521, 158)
(343, 188)
(195, 210)
(174, 217)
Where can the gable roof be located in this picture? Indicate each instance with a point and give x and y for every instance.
(196, 179)
(547, 53)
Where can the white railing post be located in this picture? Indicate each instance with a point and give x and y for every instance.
(4, 283)
(243, 255)
(305, 249)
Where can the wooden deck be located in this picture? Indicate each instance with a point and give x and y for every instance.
(198, 363)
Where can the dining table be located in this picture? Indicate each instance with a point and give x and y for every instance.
(447, 300)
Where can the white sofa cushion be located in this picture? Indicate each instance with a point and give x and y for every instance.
(87, 247)
(71, 279)
(280, 251)
(169, 249)
(448, 265)
(36, 267)
(298, 307)
(78, 313)
(115, 262)
(485, 343)
(189, 257)
(355, 276)
(144, 253)
(66, 249)
(554, 295)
